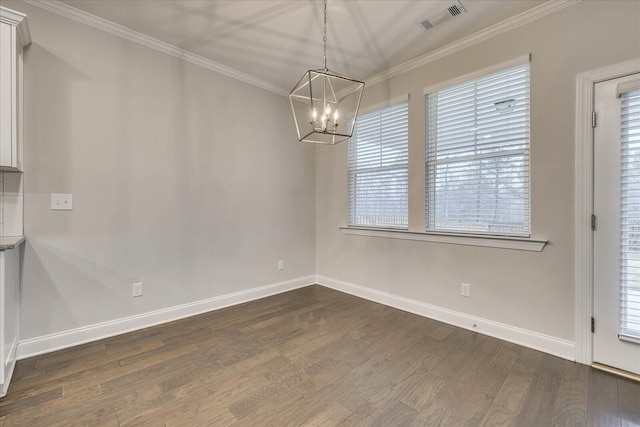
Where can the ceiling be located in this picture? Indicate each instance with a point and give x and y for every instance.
(276, 41)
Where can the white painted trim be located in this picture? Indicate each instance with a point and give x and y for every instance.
(475, 38)
(45, 344)
(11, 358)
(18, 20)
(137, 37)
(9, 367)
(501, 242)
(384, 104)
(583, 188)
(548, 344)
(496, 68)
(627, 86)
(7, 380)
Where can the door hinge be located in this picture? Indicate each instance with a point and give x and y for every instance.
(593, 119)
(593, 222)
(593, 325)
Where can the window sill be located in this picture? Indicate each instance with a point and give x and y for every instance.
(502, 242)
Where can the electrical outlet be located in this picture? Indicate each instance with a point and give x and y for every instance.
(465, 289)
(61, 202)
(281, 265)
(137, 289)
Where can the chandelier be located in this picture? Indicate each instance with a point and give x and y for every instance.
(325, 104)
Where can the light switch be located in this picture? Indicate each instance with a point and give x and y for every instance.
(61, 202)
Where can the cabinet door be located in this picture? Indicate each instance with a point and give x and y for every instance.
(10, 98)
(7, 95)
(16, 146)
(3, 313)
(9, 313)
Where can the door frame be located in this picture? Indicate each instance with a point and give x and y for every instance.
(583, 190)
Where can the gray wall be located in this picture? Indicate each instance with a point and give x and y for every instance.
(534, 291)
(193, 183)
(184, 179)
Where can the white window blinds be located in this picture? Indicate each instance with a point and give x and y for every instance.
(477, 162)
(630, 221)
(378, 169)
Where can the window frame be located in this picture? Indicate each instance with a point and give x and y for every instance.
(353, 171)
(416, 231)
(468, 78)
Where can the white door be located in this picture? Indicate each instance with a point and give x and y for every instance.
(616, 254)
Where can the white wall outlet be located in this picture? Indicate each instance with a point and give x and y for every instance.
(465, 289)
(281, 265)
(61, 202)
(137, 289)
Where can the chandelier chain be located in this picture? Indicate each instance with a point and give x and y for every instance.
(324, 38)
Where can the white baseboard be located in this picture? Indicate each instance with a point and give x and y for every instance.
(10, 364)
(45, 344)
(7, 379)
(545, 343)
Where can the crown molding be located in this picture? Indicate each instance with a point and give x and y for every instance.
(134, 36)
(129, 34)
(477, 37)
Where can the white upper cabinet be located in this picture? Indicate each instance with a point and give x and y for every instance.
(14, 36)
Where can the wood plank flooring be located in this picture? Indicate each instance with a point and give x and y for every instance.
(314, 357)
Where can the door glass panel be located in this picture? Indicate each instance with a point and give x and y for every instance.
(630, 210)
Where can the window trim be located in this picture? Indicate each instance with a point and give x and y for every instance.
(396, 100)
(499, 241)
(476, 75)
(496, 68)
(391, 103)
(484, 240)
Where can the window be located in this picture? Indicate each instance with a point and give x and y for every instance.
(630, 221)
(378, 169)
(477, 155)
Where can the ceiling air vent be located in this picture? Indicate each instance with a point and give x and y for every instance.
(454, 10)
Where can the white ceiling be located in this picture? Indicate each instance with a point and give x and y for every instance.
(278, 40)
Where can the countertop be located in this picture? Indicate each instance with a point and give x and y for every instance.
(10, 242)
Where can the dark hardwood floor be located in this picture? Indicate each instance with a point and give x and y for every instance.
(315, 357)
